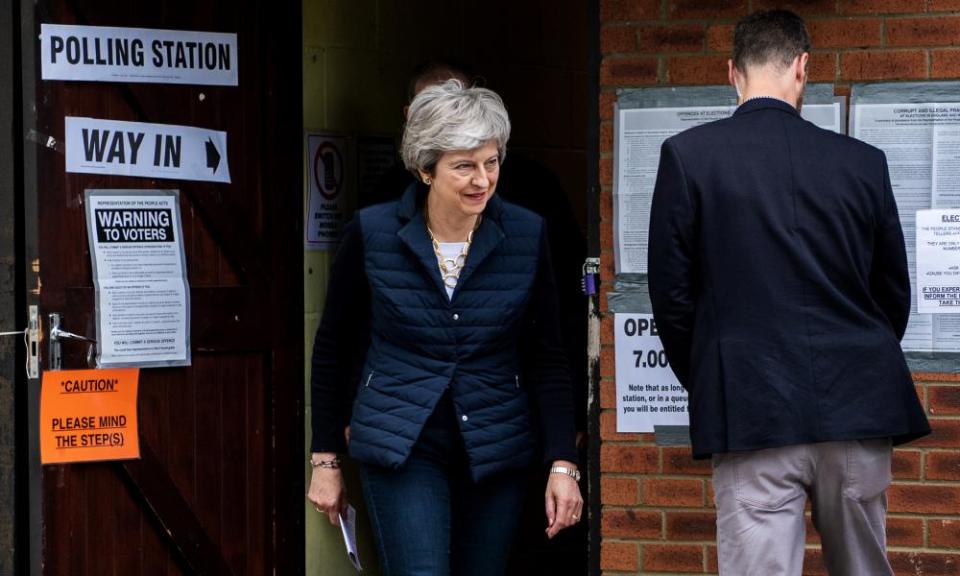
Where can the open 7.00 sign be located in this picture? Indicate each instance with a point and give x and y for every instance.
(648, 393)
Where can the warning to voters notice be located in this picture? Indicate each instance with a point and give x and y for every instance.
(648, 393)
(89, 415)
(938, 261)
(140, 275)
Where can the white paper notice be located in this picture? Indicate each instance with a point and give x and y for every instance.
(348, 526)
(140, 276)
(104, 54)
(938, 261)
(922, 144)
(329, 175)
(640, 134)
(648, 393)
(96, 146)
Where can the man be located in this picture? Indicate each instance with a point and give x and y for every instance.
(780, 290)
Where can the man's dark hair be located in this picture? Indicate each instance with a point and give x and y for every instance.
(769, 37)
(437, 72)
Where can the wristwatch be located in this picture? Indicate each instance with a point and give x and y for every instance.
(571, 472)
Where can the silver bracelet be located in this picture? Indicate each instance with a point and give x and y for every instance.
(333, 464)
(571, 472)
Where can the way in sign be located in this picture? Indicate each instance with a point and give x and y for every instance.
(124, 150)
(97, 146)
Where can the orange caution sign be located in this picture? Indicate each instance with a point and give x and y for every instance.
(89, 415)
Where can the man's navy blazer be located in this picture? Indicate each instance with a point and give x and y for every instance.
(779, 283)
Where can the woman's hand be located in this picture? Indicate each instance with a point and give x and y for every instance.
(563, 500)
(327, 492)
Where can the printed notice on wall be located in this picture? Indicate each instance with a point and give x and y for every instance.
(648, 393)
(640, 134)
(328, 172)
(140, 276)
(922, 145)
(89, 415)
(938, 261)
(105, 54)
(96, 146)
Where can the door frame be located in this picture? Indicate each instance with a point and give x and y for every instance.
(283, 119)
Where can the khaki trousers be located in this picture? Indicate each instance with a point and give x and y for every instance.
(760, 498)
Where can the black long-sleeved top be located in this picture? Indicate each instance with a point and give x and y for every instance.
(343, 337)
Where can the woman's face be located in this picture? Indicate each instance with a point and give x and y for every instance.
(464, 180)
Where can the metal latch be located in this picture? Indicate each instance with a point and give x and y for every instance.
(55, 361)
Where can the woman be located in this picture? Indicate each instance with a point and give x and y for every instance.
(439, 291)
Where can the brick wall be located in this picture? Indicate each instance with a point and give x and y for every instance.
(657, 502)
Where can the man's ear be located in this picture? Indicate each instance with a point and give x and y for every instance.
(800, 67)
(731, 73)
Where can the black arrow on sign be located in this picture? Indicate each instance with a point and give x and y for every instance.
(213, 157)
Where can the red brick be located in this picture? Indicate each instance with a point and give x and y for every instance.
(904, 531)
(720, 38)
(619, 491)
(631, 524)
(712, 561)
(883, 65)
(933, 31)
(711, 497)
(695, 526)
(822, 67)
(943, 5)
(670, 558)
(678, 460)
(697, 70)
(619, 556)
(618, 39)
(608, 429)
(845, 32)
(704, 9)
(606, 324)
(924, 563)
(813, 563)
(945, 64)
(944, 400)
(608, 362)
(923, 498)
(935, 377)
(881, 6)
(606, 136)
(606, 171)
(628, 71)
(944, 533)
(673, 492)
(607, 100)
(677, 38)
(608, 394)
(606, 205)
(943, 466)
(636, 459)
(606, 239)
(629, 10)
(813, 537)
(944, 434)
(906, 465)
(801, 7)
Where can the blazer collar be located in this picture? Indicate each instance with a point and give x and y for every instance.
(764, 102)
(414, 234)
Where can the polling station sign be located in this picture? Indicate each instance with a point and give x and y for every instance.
(96, 146)
(107, 54)
(89, 415)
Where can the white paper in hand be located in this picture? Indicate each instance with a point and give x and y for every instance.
(348, 525)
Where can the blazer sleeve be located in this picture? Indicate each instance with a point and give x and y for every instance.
(889, 275)
(672, 261)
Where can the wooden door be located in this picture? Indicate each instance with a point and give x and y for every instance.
(219, 488)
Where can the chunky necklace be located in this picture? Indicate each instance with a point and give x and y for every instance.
(450, 267)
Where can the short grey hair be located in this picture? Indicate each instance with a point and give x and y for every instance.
(448, 117)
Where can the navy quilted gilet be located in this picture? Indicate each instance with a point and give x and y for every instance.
(423, 343)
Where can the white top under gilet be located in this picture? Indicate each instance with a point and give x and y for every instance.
(450, 251)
